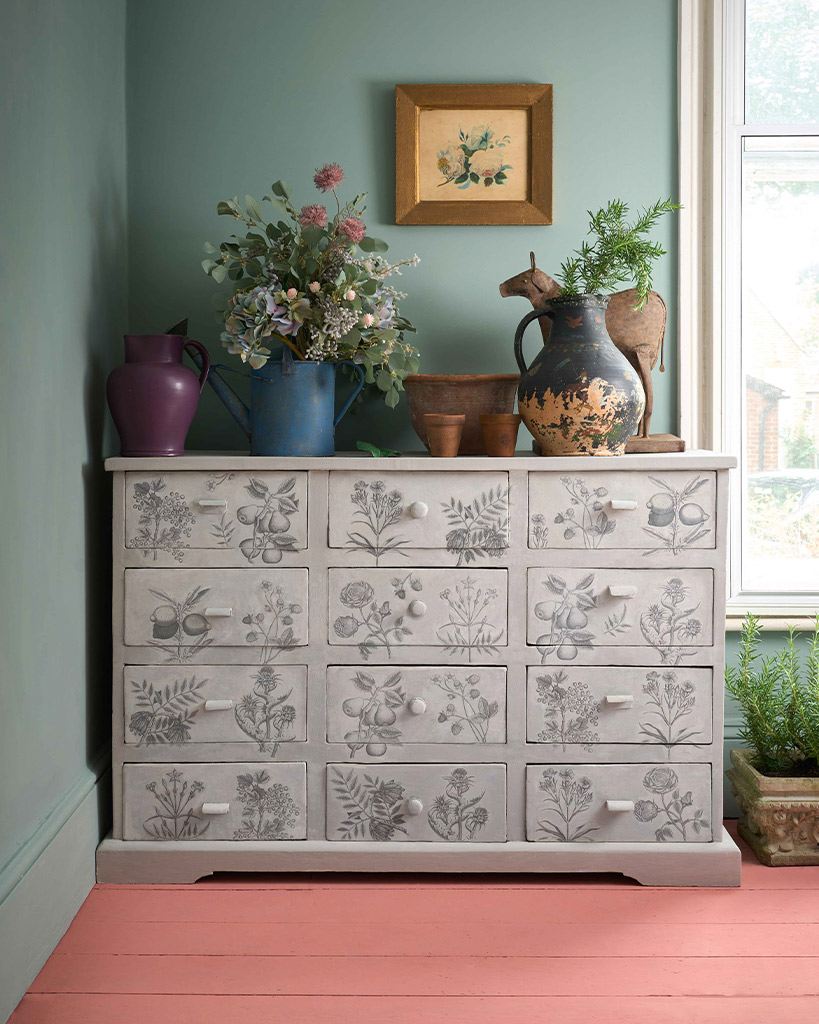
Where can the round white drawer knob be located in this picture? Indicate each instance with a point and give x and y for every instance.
(414, 806)
(418, 509)
(417, 706)
(417, 609)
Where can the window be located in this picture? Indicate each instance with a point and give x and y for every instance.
(758, 68)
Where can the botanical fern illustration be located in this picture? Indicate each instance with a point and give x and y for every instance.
(479, 527)
(165, 715)
(223, 531)
(373, 808)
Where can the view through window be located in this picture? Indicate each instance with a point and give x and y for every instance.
(778, 166)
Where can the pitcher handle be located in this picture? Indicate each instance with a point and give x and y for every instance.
(355, 394)
(203, 352)
(534, 315)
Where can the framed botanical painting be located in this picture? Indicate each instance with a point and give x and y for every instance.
(473, 154)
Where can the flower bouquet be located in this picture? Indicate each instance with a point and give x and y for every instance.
(313, 282)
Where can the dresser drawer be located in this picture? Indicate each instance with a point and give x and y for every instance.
(428, 803)
(260, 515)
(182, 612)
(381, 610)
(377, 708)
(234, 801)
(379, 514)
(618, 803)
(667, 512)
(574, 610)
(570, 706)
(259, 705)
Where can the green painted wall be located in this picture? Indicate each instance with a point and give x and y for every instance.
(224, 99)
(62, 306)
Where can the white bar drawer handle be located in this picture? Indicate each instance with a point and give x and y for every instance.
(619, 698)
(418, 509)
(417, 706)
(414, 806)
(212, 503)
(218, 613)
(620, 806)
(623, 504)
(618, 590)
(218, 705)
(417, 609)
(215, 808)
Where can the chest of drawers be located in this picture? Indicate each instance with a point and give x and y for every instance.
(413, 664)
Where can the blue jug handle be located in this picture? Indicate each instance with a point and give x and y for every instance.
(359, 370)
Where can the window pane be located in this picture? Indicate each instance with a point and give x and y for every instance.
(782, 62)
(780, 363)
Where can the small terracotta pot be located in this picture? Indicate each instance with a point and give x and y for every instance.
(444, 433)
(500, 433)
(470, 394)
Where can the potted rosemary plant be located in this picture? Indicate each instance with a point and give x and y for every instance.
(776, 780)
(581, 395)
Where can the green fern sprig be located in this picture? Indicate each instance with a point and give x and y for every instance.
(619, 254)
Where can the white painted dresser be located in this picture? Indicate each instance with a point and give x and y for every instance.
(416, 664)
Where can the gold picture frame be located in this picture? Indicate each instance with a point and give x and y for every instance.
(473, 154)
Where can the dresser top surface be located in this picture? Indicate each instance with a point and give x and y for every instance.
(420, 461)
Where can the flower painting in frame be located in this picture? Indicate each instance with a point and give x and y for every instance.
(473, 154)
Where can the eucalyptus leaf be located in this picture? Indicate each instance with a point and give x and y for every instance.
(281, 188)
(383, 380)
(224, 209)
(392, 398)
(210, 248)
(218, 273)
(254, 209)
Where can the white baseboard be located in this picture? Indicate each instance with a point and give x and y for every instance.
(45, 883)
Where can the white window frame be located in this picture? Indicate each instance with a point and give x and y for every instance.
(711, 45)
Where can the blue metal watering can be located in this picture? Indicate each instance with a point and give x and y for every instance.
(292, 405)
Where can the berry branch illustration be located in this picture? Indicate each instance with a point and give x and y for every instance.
(467, 708)
(276, 634)
(593, 524)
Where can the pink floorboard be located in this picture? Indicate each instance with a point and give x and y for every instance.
(407, 950)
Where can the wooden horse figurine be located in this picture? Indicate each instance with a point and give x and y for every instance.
(638, 334)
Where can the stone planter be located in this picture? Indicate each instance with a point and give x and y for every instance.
(779, 818)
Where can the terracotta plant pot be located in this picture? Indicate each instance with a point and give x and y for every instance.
(470, 394)
(779, 816)
(444, 432)
(500, 433)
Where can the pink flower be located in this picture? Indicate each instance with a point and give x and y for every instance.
(314, 287)
(352, 229)
(328, 177)
(291, 293)
(349, 295)
(313, 216)
(368, 319)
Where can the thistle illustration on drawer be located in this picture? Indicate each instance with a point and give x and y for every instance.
(456, 815)
(264, 714)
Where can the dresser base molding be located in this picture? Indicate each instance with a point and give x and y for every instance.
(660, 864)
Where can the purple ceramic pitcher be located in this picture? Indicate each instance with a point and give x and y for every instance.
(153, 395)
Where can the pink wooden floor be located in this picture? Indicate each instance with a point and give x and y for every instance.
(416, 949)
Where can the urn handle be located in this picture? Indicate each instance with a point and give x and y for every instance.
(205, 364)
(534, 315)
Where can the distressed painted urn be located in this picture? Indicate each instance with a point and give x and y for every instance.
(580, 396)
(779, 815)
